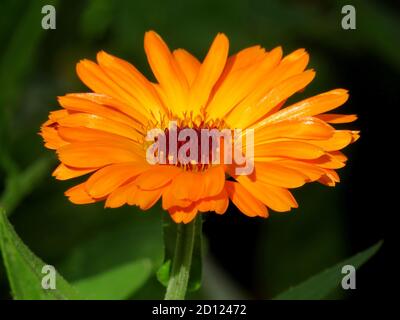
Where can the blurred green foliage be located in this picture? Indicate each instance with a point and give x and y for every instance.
(320, 285)
(24, 269)
(37, 65)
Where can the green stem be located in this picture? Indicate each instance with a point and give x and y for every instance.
(182, 261)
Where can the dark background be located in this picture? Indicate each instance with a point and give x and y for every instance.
(246, 258)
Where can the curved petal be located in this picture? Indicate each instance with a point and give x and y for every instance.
(119, 196)
(63, 172)
(188, 185)
(208, 74)
(167, 72)
(52, 139)
(132, 81)
(138, 114)
(288, 67)
(96, 79)
(157, 177)
(337, 118)
(287, 149)
(99, 154)
(307, 128)
(312, 171)
(219, 204)
(169, 200)
(275, 174)
(339, 140)
(214, 181)
(107, 179)
(251, 113)
(97, 122)
(144, 199)
(184, 215)
(311, 106)
(238, 84)
(244, 200)
(276, 198)
(188, 63)
(79, 195)
(74, 103)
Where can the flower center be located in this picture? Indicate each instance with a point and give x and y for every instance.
(193, 145)
(190, 148)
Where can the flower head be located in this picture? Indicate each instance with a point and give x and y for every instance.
(104, 133)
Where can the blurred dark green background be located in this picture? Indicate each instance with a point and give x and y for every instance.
(245, 258)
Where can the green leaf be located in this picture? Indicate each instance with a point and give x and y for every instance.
(320, 285)
(170, 231)
(24, 269)
(117, 261)
(117, 283)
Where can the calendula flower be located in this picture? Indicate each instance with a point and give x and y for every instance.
(103, 133)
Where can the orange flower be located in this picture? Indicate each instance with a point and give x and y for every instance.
(102, 133)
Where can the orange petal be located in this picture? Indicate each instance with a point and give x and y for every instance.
(276, 198)
(157, 177)
(275, 174)
(107, 179)
(330, 178)
(138, 114)
(208, 74)
(119, 196)
(96, 79)
(312, 106)
(339, 140)
(188, 63)
(221, 205)
(169, 200)
(238, 84)
(100, 123)
(337, 118)
(188, 185)
(244, 200)
(287, 149)
(78, 195)
(214, 181)
(312, 171)
(51, 138)
(167, 72)
(245, 58)
(184, 215)
(83, 105)
(338, 155)
(295, 62)
(54, 116)
(273, 97)
(63, 172)
(131, 80)
(81, 134)
(145, 199)
(99, 154)
(218, 203)
(290, 66)
(328, 161)
(302, 128)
